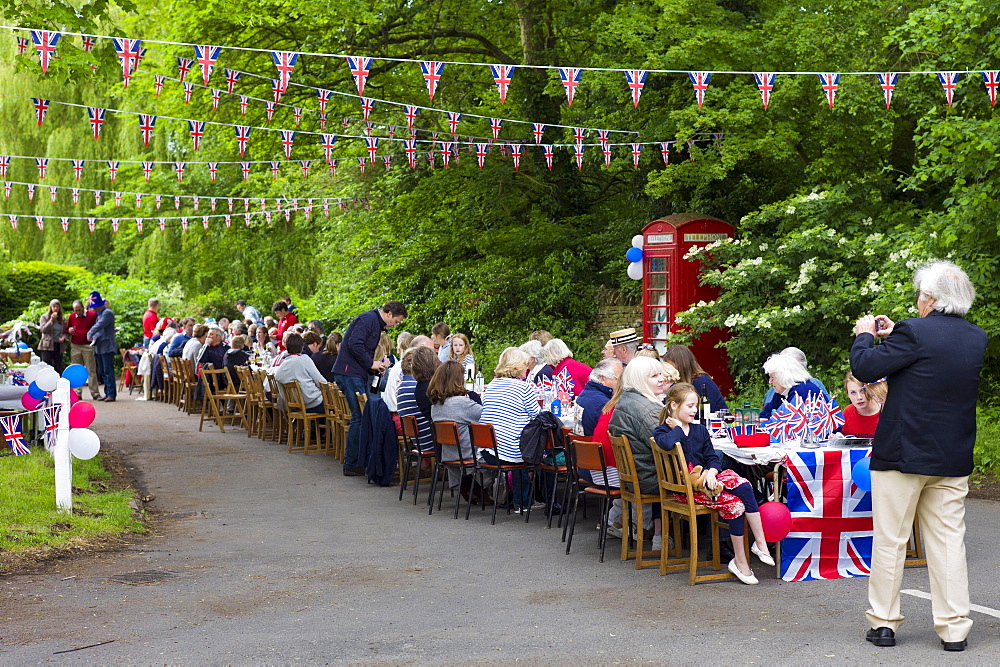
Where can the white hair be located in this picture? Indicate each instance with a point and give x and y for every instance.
(636, 376)
(605, 369)
(556, 351)
(534, 349)
(786, 369)
(798, 354)
(948, 285)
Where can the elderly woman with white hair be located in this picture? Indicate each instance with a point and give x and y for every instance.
(561, 358)
(540, 369)
(799, 356)
(789, 378)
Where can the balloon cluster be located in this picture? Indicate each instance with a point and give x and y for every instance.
(634, 257)
(83, 442)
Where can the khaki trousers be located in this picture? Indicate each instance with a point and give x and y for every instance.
(939, 504)
(84, 354)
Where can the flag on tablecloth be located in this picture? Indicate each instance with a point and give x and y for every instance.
(831, 535)
(11, 427)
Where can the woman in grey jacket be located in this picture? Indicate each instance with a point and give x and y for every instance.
(451, 402)
(636, 414)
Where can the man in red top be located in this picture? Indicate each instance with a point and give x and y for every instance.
(285, 320)
(149, 320)
(80, 351)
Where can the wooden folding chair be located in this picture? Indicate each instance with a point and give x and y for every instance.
(362, 400)
(331, 410)
(216, 383)
(484, 436)
(300, 422)
(129, 376)
(590, 456)
(672, 473)
(446, 433)
(169, 394)
(632, 496)
(188, 381)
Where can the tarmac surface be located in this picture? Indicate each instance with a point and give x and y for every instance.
(279, 558)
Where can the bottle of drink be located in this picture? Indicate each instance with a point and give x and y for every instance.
(470, 383)
(556, 408)
(706, 409)
(479, 385)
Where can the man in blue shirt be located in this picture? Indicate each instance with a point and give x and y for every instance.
(597, 392)
(355, 361)
(249, 312)
(184, 334)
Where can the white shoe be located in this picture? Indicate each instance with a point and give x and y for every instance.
(657, 542)
(615, 530)
(747, 579)
(764, 556)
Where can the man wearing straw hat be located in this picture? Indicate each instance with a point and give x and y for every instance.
(623, 343)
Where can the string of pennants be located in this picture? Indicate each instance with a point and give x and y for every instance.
(283, 208)
(130, 53)
(13, 433)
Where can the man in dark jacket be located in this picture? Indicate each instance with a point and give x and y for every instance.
(354, 362)
(922, 450)
(597, 392)
(102, 338)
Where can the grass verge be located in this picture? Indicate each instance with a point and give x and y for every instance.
(30, 524)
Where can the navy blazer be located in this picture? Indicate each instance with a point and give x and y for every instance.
(928, 422)
(354, 357)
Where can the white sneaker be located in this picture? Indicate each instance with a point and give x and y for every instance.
(657, 542)
(615, 530)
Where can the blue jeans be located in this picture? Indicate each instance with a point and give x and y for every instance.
(106, 372)
(350, 385)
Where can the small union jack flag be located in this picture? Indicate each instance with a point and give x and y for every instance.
(64, 222)
(305, 168)
(700, 82)
(129, 52)
(22, 45)
(445, 153)
(991, 79)
(13, 220)
(665, 152)
(45, 43)
(369, 126)
(229, 220)
(501, 77)
(147, 169)
(147, 123)
(138, 200)
(285, 62)
(158, 80)
(636, 154)
(206, 56)
(432, 76)
(765, 84)
(113, 169)
(195, 202)
(11, 426)
(245, 170)
(31, 191)
(887, 82)
(184, 223)
(297, 115)
(244, 103)
(481, 152)
(276, 90)
(386, 160)
(269, 110)
(515, 152)
(392, 131)
(197, 130)
(606, 151)
(453, 120)
(830, 84)
(188, 90)
(91, 224)
(96, 120)
(347, 121)
(360, 69)
(118, 199)
(570, 80)
(40, 221)
(948, 81)
(242, 137)
(549, 154)
(77, 169)
(322, 121)
(636, 79)
(579, 134)
(275, 168)
(495, 125)
(114, 225)
(287, 139)
(213, 168)
(5, 165)
(162, 222)
(324, 97)
(52, 193)
(229, 201)
(184, 66)
(216, 96)
(179, 170)
(97, 197)
(329, 140)
(204, 221)
(411, 115)
(578, 155)
(88, 43)
(367, 104)
(138, 225)
(371, 143)
(246, 219)
(158, 200)
(41, 106)
(410, 148)
(232, 77)
(43, 165)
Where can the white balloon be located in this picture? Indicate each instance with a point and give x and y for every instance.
(31, 372)
(635, 270)
(637, 241)
(47, 379)
(84, 443)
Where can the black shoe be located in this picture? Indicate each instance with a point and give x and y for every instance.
(881, 637)
(350, 471)
(954, 646)
(108, 399)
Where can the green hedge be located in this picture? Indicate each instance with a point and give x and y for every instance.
(38, 282)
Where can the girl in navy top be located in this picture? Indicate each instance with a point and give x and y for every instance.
(737, 500)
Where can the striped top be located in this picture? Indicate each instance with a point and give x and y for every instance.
(406, 405)
(509, 405)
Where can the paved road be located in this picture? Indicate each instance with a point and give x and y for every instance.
(286, 560)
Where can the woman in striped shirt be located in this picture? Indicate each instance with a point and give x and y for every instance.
(509, 403)
(411, 397)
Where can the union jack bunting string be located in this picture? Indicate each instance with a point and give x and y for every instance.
(765, 84)
(43, 164)
(371, 144)
(11, 426)
(495, 125)
(324, 97)
(232, 77)
(96, 120)
(88, 43)
(287, 139)
(5, 165)
(501, 77)
(887, 81)
(515, 152)
(699, 80)
(22, 45)
(147, 123)
(158, 80)
(45, 43)
(830, 84)
(31, 192)
(206, 56)
(129, 52)
(242, 137)
(453, 120)
(276, 90)
(197, 130)
(184, 66)
(432, 76)
(41, 106)
(188, 90)
(991, 80)
(285, 62)
(216, 96)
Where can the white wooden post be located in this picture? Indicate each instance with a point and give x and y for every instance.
(63, 459)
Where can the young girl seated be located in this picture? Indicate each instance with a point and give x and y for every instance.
(678, 424)
(861, 416)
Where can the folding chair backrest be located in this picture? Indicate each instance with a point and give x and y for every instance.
(293, 396)
(671, 468)
(483, 436)
(589, 455)
(445, 433)
(410, 427)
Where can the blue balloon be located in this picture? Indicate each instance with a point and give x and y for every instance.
(23, 346)
(862, 474)
(634, 255)
(76, 374)
(36, 392)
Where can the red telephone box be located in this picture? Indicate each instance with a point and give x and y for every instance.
(670, 285)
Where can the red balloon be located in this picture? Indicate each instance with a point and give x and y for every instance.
(81, 415)
(29, 402)
(777, 521)
(73, 398)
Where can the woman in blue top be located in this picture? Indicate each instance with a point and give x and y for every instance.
(789, 378)
(737, 500)
(691, 372)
